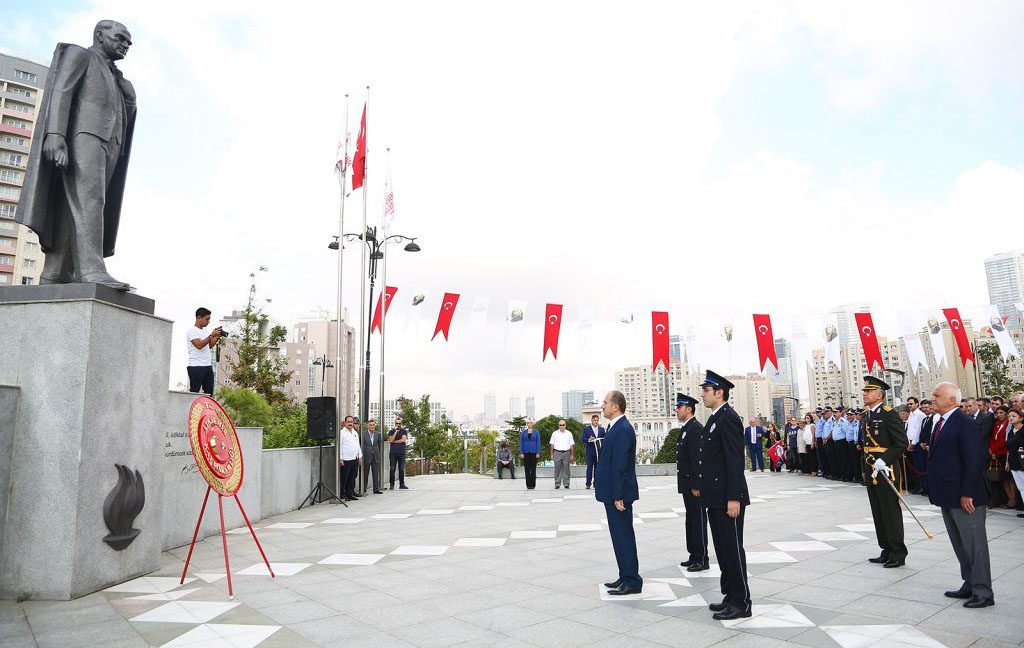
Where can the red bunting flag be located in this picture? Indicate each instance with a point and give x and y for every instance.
(956, 325)
(765, 341)
(387, 296)
(659, 338)
(444, 317)
(552, 327)
(869, 341)
(359, 161)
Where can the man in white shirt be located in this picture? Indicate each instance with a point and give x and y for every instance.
(350, 457)
(915, 455)
(561, 453)
(200, 357)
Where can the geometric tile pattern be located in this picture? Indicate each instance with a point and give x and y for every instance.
(149, 585)
(865, 636)
(771, 616)
(186, 612)
(217, 635)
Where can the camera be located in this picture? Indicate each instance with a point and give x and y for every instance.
(223, 333)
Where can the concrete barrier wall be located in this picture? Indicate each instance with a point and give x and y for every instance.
(289, 474)
(8, 419)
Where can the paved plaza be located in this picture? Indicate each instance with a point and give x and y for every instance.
(468, 560)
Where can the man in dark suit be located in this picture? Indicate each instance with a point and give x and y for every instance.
(885, 441)
(591, 437)
(985, 422)
(615, 485)
(955, 484)
(686, 481)
(722, 490)
(372, 442)
(920, 453)
(75, 179)
(753, 436)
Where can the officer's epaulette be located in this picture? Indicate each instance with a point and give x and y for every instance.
(887, 408)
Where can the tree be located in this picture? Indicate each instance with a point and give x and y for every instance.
(254, 366)
(995, 375)
(287, 428)
(484, 451)
(511, 434)
(429, 439)
(245, 407)
(547, 425)
(667, 454)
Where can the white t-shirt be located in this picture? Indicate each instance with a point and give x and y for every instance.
(198, 357)
(562, 440)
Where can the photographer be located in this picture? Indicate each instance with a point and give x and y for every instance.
(200, 357)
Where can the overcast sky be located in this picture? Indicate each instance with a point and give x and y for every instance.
(714, 160)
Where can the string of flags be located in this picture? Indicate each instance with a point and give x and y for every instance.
(761, 324)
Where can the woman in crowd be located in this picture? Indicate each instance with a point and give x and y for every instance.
(810, 466)
(776, 450)
(529, 450)
(997, 459)
(1015, 453)
(792, 445)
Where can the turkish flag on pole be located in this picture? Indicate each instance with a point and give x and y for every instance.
(387, 295)
(659, 338)
(444, 317)
(956, 325)
(552, 327)
(868, 340)
(765, 341)
(359, 161)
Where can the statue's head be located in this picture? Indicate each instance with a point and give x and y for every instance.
(113, 38)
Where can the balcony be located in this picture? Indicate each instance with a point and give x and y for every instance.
(30, 115)
(17, 148)
(7, 268)
(14, 130)
(14, 96)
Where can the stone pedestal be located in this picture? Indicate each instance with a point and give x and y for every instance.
(87, 374)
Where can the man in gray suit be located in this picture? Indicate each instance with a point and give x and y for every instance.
(372, 443)
(75, 180)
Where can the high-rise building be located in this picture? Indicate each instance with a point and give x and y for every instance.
(515, 407)
(573, 402)
(650, 402)
(490, 407)
(675, 348)
(531, 407)
(21, 88)
(393, 407)
(1004, 274)
(783, 383)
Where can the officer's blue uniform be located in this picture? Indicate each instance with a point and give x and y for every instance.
(686, 481)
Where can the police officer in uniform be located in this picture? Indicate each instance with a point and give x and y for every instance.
(722, 489)
(885, 441)
(686, 479)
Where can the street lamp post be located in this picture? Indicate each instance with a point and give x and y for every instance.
(324, 363)
(375, 246)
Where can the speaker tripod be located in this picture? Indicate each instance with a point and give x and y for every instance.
(316, 496)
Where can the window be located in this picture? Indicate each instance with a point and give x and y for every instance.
(22, 75)
(298, 361)
(26, 281)
(17, 123)
(28, 263)
(6, 226)
(20, 141)
(7, 243)
(10, 175)
(5, 278)
(8, 211)
(17, 107)
(9, 192)
(6, 259)
(22, 92)
(31, 247)
(16, 160)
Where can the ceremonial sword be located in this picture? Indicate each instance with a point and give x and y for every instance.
(870, 461)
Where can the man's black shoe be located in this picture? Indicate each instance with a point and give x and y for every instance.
(730, 613)
(686, 563)
(624, 591)
(403, 487)
(892, 562)
(961, 593)
(696, 567)
(881, 560)
(978, 602)
(718, 607)
(392, 487)
(378, 492)
(615, 584)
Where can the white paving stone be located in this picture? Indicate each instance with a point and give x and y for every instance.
(547, 500)
(657, 515)
(694, 600)
(836, 535)
(436, 512)
(766, 557)
(712, 571)
(480, 542)
(866, 636)
(803, 545)
(149, 585)
(513, 503)
(420, 550)
(211, 578)
(857, 527)
(289, 525)
(476, 507)
(164, 596)
(392, 516)
(579, 527)
(793, 492)
(523, 535)
(771, 616)
(186, 612)
(679, 582)
(351, 559)
(343, 520)
(223, 635)
(280, 569)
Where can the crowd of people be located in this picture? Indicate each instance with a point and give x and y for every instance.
(829, 443)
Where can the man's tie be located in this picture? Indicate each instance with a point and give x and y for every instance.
(935, 432)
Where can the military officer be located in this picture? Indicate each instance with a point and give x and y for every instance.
(885, 441)
(722, 489)
(853, 442)
(686, 477)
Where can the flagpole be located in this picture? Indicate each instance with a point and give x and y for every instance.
(362, 288)
(339, 405)
(384, 310)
